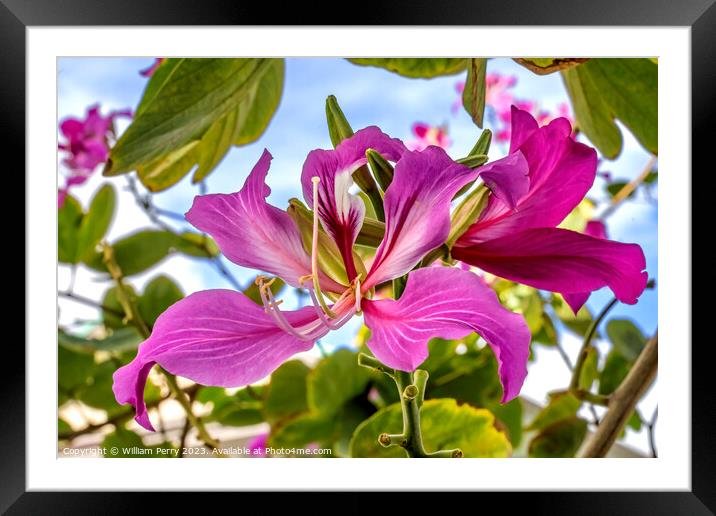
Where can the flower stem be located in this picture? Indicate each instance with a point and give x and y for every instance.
(411, 389)
(584, 353)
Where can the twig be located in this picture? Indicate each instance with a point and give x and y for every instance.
(586, 346)
(221, 268)
(628, 188)
(623, 401)
(90, 302)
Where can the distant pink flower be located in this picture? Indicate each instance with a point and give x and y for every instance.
(497, 95)
(148, 72)
(257, 445)
(426, 135)
(85, 145)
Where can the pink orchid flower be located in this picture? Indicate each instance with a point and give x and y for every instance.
(149, 71)
(86, 145)
(426, 135)
(518, 238)
(222, 338)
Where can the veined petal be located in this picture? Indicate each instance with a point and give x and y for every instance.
(213, 337)
(596, 229)
(561, 171)
(507, 178)
(447, 303)
(417, 211)
(252, 233)
(341, 213)
(562, 261)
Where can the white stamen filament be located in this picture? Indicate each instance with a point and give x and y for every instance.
(314, 251)
(307, 334)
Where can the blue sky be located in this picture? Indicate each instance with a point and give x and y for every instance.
(368, 96)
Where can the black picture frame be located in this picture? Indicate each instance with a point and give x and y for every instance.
(699, 15)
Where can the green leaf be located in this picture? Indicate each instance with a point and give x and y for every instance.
(111, 301)
(252, 292)
(445, 425)
(73, 368)
(424, 68)
(509, 418)
(630, 88)
(302, 430)
(473, 96)
(63, 426)
(626, 338)
(69, 221)
(578, 323)
(561, 439)
(561, 406)
(137, 252)
(335, 380)
(239, 409)
(118, 341)
(158, 295)
(592, 112)
(286, 395)
(547, 65)
(197, 245)
(191, 112)
(616, 368)
(590, 371)
(97, 220)
(603, 90)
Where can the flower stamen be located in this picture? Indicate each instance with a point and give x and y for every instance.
(314, 252)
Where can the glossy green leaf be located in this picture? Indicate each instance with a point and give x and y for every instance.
(302, 430)
(626, 338)
(118, 341)
(137, 252)
(509, 419)
(159, 294)
(114, 316)
(418, 67)
(245, 407)
(630, 87)
(561, 406)
(615, 369)
(96, 221)
(192, 111)
(626, 89)
(590, 371)
(335, 380)
(286, 394)
(445, 425)
(559, 440)
(73, 368)
(197, 245)
(592, 112)
(69, 221)
(473, 96)
(578, 323)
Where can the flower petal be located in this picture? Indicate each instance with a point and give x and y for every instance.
(507, 178)
(561, 171)
(213, 337)
(447, 303)
(596, 229)
(562, 261)
(251, 232)
(341, 213)
(417, 211)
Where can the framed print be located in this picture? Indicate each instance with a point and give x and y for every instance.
(284, 265)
